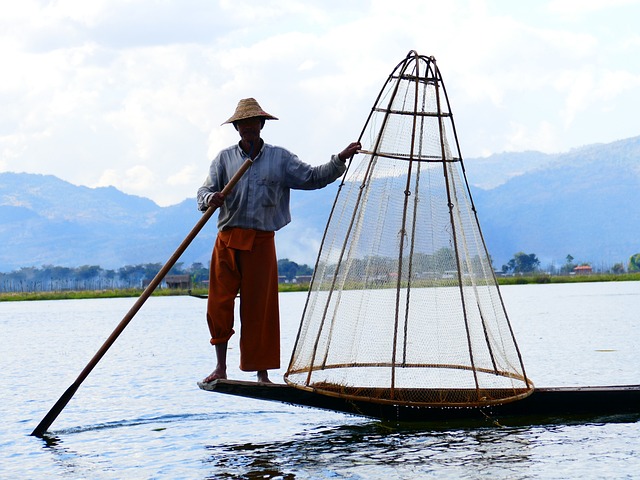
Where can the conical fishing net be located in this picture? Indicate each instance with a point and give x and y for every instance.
(404, 307)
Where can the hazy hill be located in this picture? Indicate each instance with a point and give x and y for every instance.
(490, 172)
(47, 221)
(585, 202)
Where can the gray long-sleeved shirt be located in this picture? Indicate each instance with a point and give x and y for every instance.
(260, 199)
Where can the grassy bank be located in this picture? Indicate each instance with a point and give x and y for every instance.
(120, 293)
(83, 294)
(543, 278)
(292, 287)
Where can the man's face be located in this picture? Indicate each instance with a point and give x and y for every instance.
(249, 129)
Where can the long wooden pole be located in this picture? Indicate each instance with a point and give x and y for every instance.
(50, 417)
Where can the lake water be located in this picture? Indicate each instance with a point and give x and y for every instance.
(140, 415)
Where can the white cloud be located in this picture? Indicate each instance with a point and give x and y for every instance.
(578, 88)
(86, 13)
(574, 8)
(135, 180)
(187, 176)
(134, 92)
(538, 137)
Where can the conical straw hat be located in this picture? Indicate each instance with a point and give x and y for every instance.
(249, 108)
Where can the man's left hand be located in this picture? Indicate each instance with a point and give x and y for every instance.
(350, 151)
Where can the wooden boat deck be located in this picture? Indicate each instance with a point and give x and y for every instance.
(605, 403)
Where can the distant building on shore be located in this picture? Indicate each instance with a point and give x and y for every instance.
(583, 270)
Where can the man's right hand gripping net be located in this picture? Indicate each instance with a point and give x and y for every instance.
(404, 306)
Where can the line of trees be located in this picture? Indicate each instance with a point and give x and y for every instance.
(523, 263)
(291, 270)
(93, 277)
(50, 278)
(86, 277)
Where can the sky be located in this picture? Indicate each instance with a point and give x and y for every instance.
(132, 93)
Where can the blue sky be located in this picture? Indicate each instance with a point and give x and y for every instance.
(132, 93)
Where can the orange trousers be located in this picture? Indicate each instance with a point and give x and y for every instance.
(244, 261)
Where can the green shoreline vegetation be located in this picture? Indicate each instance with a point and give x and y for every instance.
(294, 287)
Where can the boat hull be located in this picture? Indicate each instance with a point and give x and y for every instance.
(544, 405)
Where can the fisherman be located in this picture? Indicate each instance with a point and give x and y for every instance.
(244, 255)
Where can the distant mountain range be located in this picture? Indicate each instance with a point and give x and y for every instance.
(585, 203)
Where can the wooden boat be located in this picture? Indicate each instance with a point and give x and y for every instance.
(544, 405)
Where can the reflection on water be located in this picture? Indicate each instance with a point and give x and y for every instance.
(372, 451)
(140, 414)
(363, 450)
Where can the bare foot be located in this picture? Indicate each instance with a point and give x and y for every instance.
(216, 375)
(263, 377)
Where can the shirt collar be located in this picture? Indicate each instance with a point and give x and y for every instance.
(245, 155)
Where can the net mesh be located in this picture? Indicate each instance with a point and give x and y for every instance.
(403, 306)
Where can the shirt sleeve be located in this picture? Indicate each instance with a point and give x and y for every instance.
(205, 192)
(302, 176)
(211, 184)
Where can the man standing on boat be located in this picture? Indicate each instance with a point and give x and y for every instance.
(244, 256)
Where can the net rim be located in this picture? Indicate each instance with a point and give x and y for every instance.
(489, 371)
(505, 395)
(510, 395)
